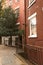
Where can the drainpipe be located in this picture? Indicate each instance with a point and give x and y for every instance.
(25, 30)
(25, 20)
(24, 24)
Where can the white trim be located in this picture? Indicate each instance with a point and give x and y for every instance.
(31, 3)
(10, 2)
(32, 16)
(17, 7)
(42, 8)
(32, 36)
(29, 18)
(18, 23)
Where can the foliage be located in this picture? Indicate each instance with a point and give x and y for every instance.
(0, 7)
(8, 22)
(21, 32)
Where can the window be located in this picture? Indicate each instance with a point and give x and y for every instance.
(10, 3)
(32, 19)
(18, 23)
(31, 2)
(17, 0)
(17, 12)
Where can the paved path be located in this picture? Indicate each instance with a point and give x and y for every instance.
(8, 56)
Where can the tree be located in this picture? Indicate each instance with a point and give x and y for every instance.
(8, 22)
(0, 7)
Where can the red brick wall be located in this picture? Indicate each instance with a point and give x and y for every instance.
(36, 7)
(21, 11)
(35, 53)
(21, 18)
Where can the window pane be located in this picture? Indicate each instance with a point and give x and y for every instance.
(33, 26)
(17, 12)
(17, 0)
(31, 2)
(10, 3)
(33, 30)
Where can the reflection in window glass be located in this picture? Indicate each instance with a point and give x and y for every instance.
(32, 20)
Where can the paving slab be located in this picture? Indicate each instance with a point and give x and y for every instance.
(8, 56)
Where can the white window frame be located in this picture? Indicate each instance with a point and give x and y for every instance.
(29, 18)
(18, 23)
(17, 9)
(10, 3)
(31, 3)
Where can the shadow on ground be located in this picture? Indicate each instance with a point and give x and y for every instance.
(22, 54)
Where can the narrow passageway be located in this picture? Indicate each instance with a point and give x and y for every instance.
(8, 56)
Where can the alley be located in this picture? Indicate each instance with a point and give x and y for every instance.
(8, 56)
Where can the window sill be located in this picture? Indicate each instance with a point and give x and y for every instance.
(18, 23)
(32, 36)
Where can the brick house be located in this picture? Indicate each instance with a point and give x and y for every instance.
(34, 30)
(19, 8)
(34, 12)
(31, 20)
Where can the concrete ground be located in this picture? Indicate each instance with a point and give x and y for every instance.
(8, 56)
